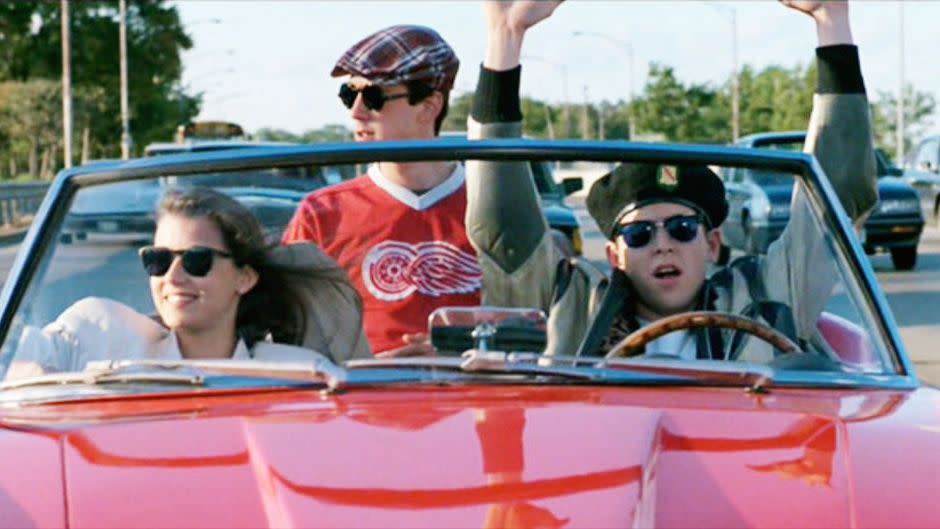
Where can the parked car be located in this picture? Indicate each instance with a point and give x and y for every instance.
(759, 205)
(125, 211)
(835, 434)
(920, 170)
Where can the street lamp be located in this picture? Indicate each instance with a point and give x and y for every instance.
(627, 48)
(125, 120)
(66, 85)
(899, 133)
(563, 70)
(732, 15)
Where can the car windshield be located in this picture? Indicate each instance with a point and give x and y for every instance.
(89, 247)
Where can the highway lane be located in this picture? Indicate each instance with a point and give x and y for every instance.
(914, 296)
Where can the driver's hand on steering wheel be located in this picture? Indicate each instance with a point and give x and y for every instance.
(418, 344)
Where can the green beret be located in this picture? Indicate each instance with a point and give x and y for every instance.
(634, 185)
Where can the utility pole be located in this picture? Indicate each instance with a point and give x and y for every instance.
(627, 49)
(125, 125)
(732, 15)
(899, 132)
(735, 87)
(66, 85)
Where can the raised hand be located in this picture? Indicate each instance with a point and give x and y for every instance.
(831, 16)
(506, 25)
(518, 15)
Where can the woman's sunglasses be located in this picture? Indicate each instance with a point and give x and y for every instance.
(372, 96)
(197, 261)
(682, 228)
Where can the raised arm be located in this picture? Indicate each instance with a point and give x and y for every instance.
(839, 135)
(504, 221)
(839, 132)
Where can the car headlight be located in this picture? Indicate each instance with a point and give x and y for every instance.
(899, 205)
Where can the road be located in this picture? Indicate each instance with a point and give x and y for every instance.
(913, 296)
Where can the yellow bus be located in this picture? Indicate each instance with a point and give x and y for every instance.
(209, 130)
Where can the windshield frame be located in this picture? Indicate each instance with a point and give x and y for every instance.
(54, 207)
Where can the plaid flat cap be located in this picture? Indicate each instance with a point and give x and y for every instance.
(634, 185)
(399, 54)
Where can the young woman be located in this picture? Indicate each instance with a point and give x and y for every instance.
(219, 293)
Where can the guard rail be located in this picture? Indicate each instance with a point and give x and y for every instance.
(20, 200)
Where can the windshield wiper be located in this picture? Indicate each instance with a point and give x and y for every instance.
(724, 372)
(190, 372)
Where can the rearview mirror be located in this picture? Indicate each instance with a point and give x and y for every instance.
(454, 330)
(572, 184)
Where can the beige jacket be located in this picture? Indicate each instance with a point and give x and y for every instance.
(840, 137)
(103, 329)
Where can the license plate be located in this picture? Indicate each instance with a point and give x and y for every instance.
(107, 226)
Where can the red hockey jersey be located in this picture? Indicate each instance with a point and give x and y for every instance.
(407, 254)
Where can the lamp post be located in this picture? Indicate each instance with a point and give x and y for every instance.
(66, 85)
(732, 15)
(125, 118)
(899, 132)
(566, 114)
(627, 48)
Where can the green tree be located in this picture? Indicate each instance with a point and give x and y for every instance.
(918, 112)
(331, 133)
(31, 118)
(776, 98)
(690, 114)
(31, 49)
(459, 110)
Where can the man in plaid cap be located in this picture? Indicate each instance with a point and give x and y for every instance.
(662, 224)
(398, 230)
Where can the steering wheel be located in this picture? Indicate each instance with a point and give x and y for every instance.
(632, 344)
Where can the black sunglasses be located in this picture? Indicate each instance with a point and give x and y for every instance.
(197, 261)
(682, 228)
(372, 96)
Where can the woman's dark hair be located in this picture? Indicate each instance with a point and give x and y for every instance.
(270, 306)
(419, 91)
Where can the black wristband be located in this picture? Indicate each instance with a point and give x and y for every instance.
(839, 70)
(497, 96)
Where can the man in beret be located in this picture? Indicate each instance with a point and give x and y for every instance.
(398, 230)
(663, 225)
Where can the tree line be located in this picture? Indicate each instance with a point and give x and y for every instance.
(31, 89)
(774, 98)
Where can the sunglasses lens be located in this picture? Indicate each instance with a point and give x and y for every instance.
(156, 261)
(373, 97)
(197, 261)
(682, 229)
(347, 95)
(637, 234)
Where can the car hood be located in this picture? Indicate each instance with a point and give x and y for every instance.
(892, 187)
(779, 193)
(477, 457)
(558, 215)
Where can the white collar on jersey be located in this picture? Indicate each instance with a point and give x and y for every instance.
(409, 198)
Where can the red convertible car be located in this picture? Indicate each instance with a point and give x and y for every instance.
(491, 433)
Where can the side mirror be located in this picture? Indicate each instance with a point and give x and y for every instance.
(454, 330)
(572, 184)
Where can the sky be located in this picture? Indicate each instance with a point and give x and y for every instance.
(267, 63)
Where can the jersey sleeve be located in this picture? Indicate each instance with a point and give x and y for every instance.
(303, 226)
